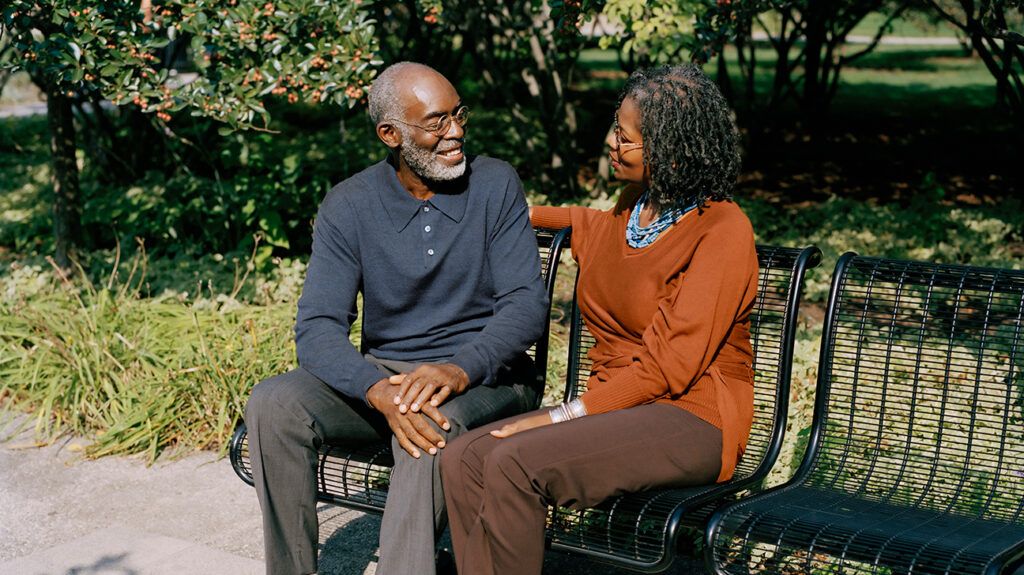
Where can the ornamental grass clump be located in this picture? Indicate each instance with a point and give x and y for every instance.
(133, 374)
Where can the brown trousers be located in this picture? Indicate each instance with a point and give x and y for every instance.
(498, 490)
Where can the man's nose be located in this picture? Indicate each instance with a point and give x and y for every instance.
(455, 131)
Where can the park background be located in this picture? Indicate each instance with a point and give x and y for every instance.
(161, 164)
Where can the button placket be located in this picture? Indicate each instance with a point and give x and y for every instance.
(428, 218)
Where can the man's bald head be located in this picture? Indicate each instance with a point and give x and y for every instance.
(385, 99)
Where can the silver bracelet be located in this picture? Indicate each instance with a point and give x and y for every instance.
(567, 411)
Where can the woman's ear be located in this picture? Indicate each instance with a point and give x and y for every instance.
(387, 133)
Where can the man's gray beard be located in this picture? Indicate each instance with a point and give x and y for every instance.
(425, 163)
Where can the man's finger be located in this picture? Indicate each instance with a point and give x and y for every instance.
(424, 396)
(421, 433)
(410, 398)
(404, 443)
(436, 415)
(397, 379)
(426, 431)
(410, 383)
(441, 395)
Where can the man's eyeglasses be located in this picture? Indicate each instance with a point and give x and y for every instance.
(443, 124)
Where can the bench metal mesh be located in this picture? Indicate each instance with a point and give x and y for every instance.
(916, 458)
(639, 530)
(357, 477)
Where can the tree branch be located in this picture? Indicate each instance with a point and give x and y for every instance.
(843, 60)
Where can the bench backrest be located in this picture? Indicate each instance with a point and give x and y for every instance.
(920, 398)
(772, 333)
(549, 244)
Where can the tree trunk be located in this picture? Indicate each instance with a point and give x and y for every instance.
(813, 100)
(67, 212)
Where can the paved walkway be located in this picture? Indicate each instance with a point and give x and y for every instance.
(63, 515)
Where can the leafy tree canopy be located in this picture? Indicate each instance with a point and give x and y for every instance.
(242, 51)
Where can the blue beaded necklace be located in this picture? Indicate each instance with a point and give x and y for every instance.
(638, 236)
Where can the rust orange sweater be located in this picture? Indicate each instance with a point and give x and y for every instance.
(671, 320)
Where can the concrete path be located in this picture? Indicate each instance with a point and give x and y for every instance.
(63, 515)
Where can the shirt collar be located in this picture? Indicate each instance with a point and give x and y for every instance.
(401, 207)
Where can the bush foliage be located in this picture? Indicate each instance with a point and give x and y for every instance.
(135, 374)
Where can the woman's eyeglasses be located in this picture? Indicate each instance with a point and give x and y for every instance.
(620, 146)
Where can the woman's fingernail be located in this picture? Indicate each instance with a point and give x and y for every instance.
(415, 407)
(441, 444)
(433, 451)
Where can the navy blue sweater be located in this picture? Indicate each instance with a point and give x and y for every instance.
(454, 279)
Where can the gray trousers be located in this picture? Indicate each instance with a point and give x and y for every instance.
(290, 416)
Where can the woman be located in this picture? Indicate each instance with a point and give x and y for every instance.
(667, 281)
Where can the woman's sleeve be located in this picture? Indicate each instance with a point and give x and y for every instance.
(550, 217)
(578, 217)
(691, 325)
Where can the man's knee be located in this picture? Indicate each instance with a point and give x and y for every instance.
(274, 396)
(481, 405)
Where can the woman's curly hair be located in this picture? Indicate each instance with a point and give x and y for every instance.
(690, 140)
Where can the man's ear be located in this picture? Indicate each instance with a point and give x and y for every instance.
(387, 133)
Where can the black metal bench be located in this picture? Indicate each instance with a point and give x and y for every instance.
(640, 531)
(916, 455)
(357, 476)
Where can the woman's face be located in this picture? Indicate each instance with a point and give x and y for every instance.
(626, 144)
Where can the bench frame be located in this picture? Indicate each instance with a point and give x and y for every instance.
(876, 530)
(356, 478)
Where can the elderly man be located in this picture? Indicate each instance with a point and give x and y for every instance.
(440, 246)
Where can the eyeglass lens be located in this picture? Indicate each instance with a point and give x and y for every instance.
(445, 123)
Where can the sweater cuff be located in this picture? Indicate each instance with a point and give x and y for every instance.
(474, 366)
(369, 382)
(618, 393)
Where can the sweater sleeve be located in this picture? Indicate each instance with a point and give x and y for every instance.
(550, 217)
(327, 306)
(690, 325)
(521, 303)
(581, 219)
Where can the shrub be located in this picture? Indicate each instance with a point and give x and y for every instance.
(134, 374)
